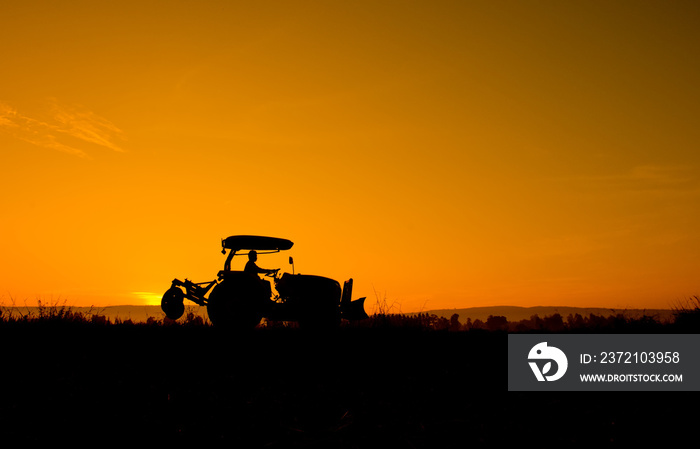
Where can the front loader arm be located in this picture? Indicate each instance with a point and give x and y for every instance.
(195, 292)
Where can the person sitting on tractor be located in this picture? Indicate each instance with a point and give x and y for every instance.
(252, 268)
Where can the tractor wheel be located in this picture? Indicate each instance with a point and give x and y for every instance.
(173, 303)
(232, 306)
(320, 319)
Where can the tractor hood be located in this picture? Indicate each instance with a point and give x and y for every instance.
(259, 243)
(308, 286)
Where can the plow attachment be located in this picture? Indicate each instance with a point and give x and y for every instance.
(173, 300)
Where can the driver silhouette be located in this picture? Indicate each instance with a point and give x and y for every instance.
(252, 268)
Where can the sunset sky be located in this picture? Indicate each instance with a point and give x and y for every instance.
(444, 154)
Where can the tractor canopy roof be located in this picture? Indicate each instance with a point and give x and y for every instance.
(256, 242)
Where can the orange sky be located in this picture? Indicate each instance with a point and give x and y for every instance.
(443, 154)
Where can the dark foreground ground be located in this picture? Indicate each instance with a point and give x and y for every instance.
(286, 388)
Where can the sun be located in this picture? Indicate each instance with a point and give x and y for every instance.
(148, 298)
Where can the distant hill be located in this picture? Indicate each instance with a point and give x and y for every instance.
(514, 313)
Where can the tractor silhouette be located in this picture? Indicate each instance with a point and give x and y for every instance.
(240, 300)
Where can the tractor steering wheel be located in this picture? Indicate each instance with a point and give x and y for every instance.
(273, 274)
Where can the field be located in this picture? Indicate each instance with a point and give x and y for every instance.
(71, 381)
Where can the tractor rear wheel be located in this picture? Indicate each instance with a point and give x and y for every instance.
(233, 306)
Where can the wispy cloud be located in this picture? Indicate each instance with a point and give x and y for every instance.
(654, 180)
(658, 174)
(61, 125)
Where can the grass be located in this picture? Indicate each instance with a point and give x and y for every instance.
(59, 311)
(687, 315)
(49, 311)
(392, 380)
(687, 318)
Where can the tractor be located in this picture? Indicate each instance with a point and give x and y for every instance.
(240, 299)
